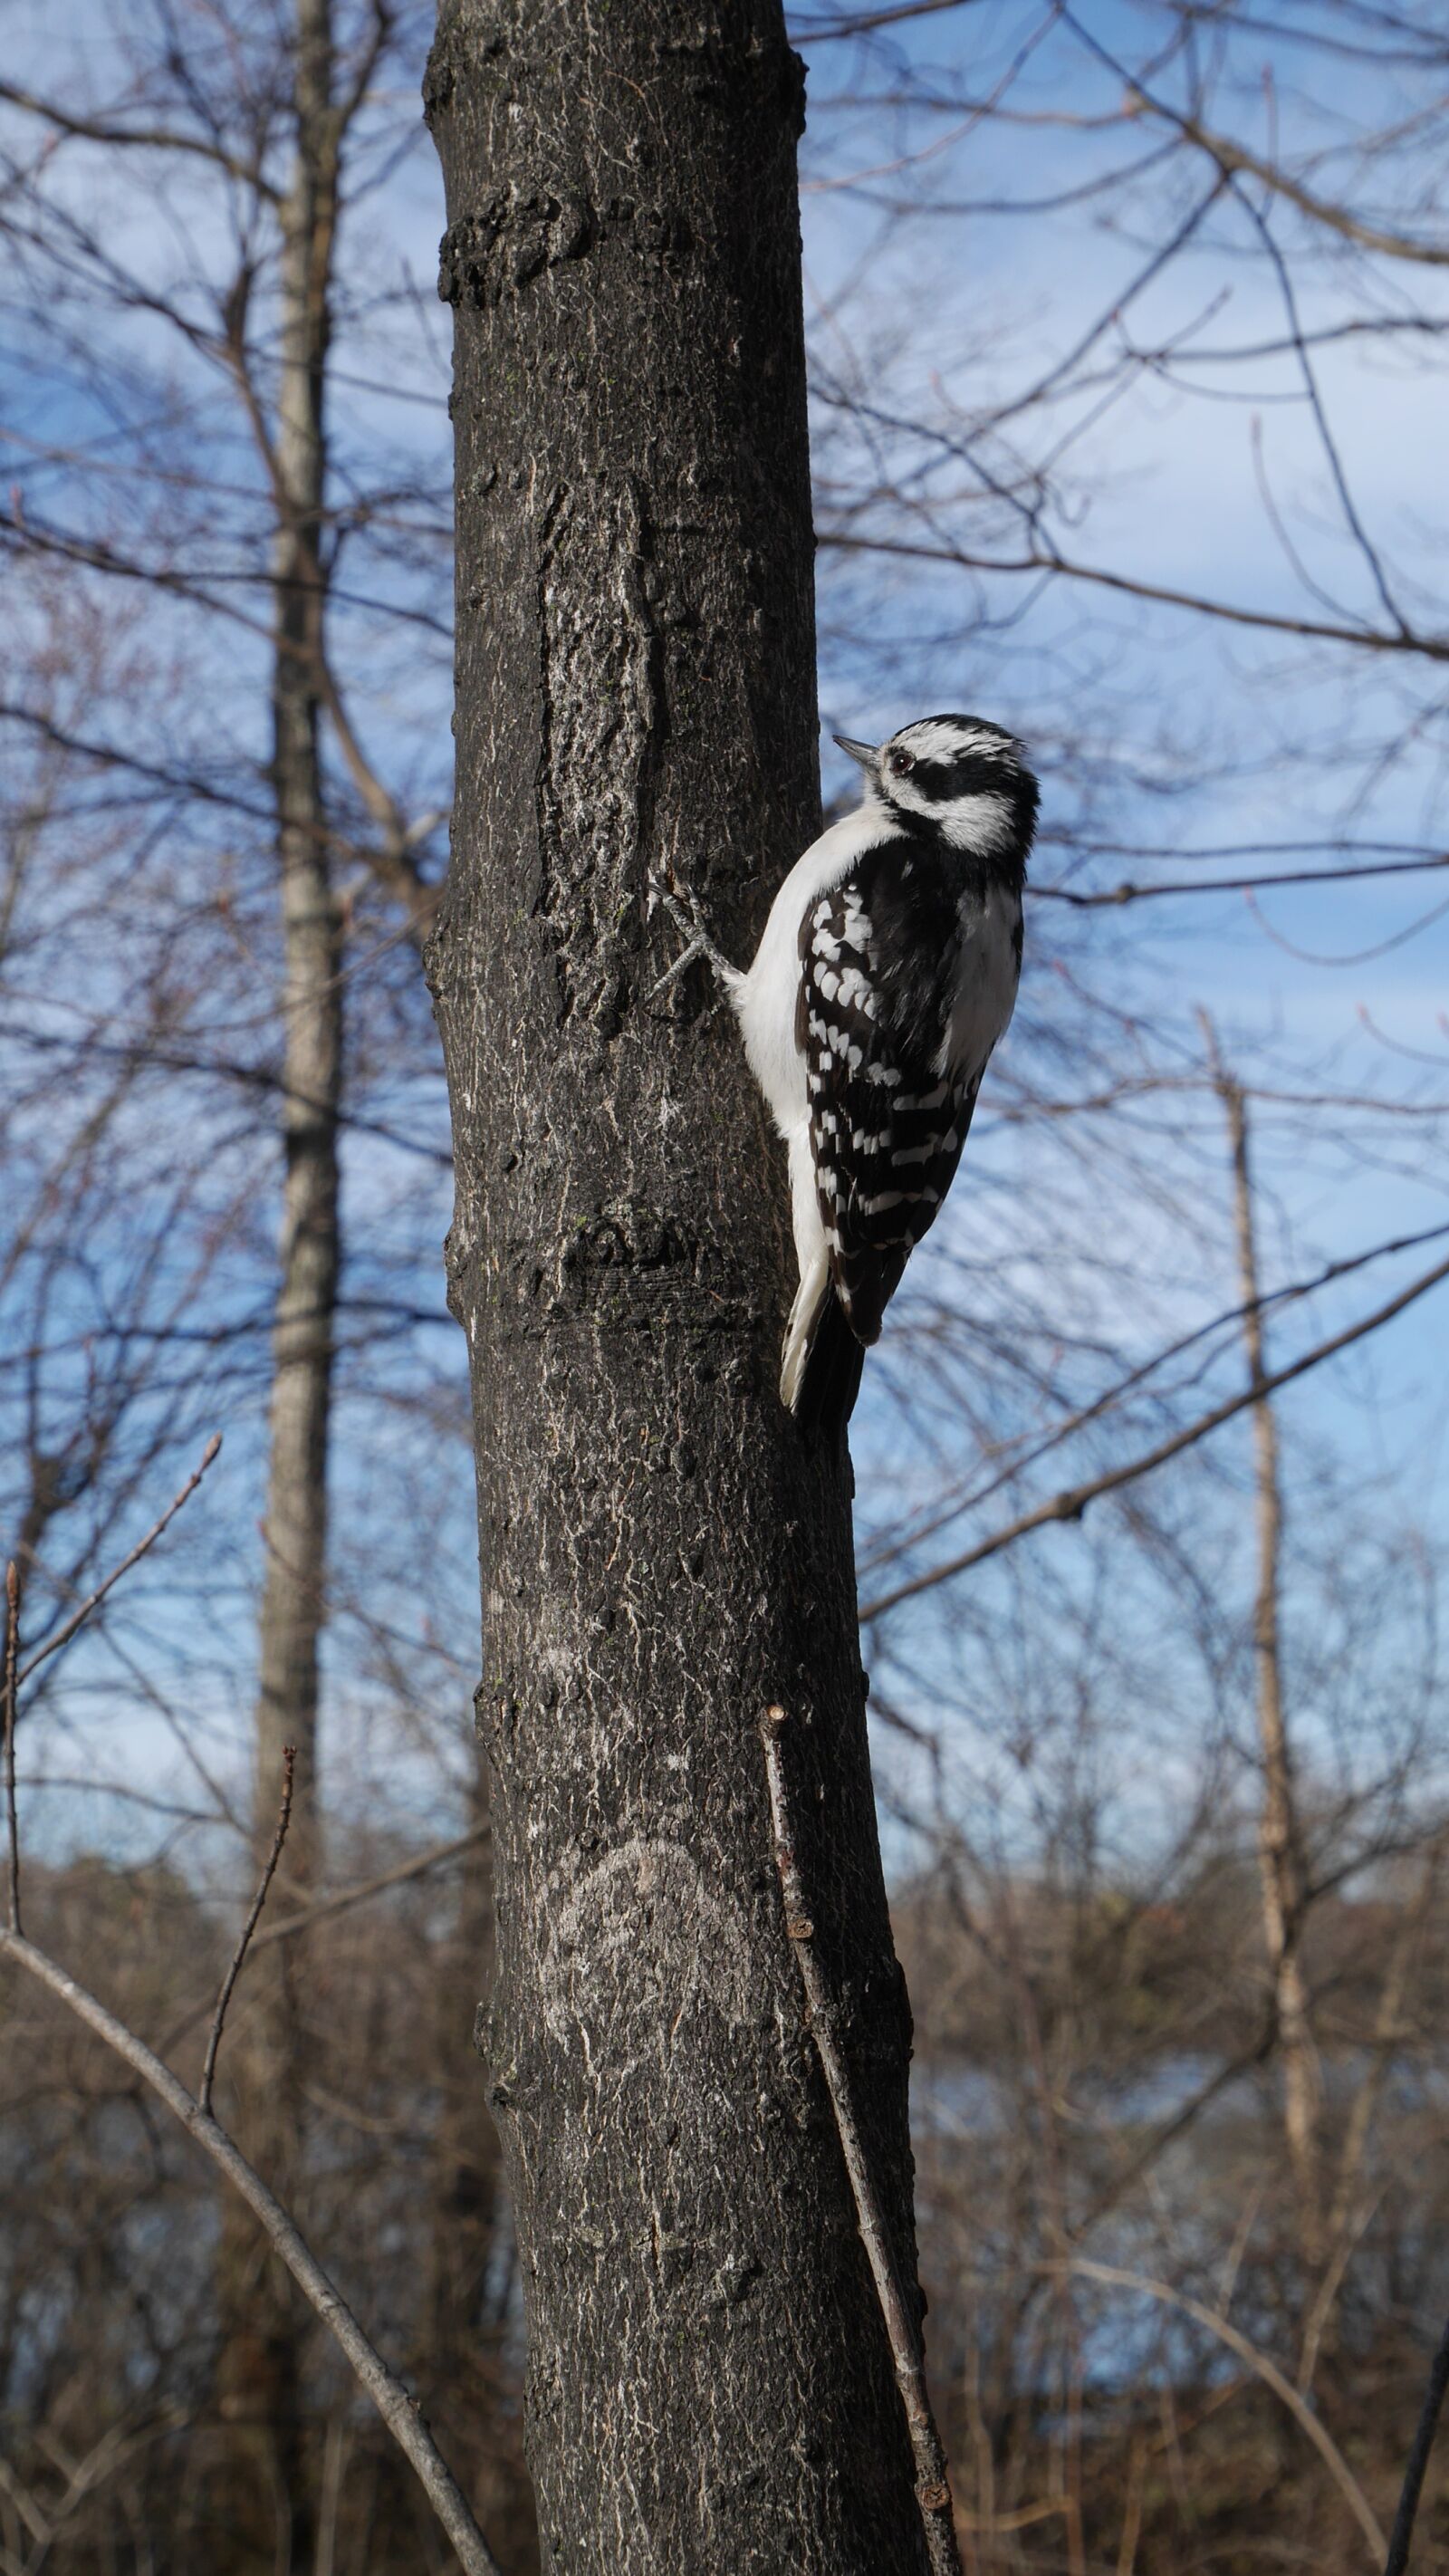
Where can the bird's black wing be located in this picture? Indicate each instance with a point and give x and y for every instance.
(879, 956)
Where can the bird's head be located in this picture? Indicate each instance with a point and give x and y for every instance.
(958, 776)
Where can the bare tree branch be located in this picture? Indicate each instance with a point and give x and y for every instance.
(152, 138)
(218, 2019)
(342, 1902)
(841, 30)
(897, 1542)
(346, 1897)
(933, 2485)
(1046, 558)
(92, 1600)
(389, 2396)
(1129, 893)
(1233, 159)
(1069, 1506)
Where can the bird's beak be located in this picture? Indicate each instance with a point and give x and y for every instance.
(864, 752)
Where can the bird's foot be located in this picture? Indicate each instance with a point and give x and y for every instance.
(669, 891)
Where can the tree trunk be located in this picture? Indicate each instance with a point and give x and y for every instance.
(662, 1553)
(264, 2325)
(1280, 1849)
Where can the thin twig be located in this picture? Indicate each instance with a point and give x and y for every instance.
(1043, 557)
(341, 1902)
(218, 2018)
(12, 1648)
(1232, 158)
(364, 1889)
(397, 2409)
(1127, 892)
(1403, 2531)
(78, 1618)
(150, 138)
(933, 2485)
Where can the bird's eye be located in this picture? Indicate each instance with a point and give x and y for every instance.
(901, 764)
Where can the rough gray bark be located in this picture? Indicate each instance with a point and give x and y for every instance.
(662, 1554)
(263, 2325)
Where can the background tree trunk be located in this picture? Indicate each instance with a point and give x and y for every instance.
(1280, 1840)
(662, 1554)
(264, 2325)
(310, 1252)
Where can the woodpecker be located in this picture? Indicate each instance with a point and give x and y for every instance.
(886, 975)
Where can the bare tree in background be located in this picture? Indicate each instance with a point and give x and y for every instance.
(1280, 1834)
(261, 2372)
(268, 118)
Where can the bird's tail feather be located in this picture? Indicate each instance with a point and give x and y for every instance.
(820, 1370)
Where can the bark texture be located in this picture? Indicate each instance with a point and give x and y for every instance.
(662, 1554)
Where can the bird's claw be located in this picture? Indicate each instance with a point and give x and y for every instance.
(687, 914)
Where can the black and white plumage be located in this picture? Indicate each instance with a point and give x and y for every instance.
(885, 977)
